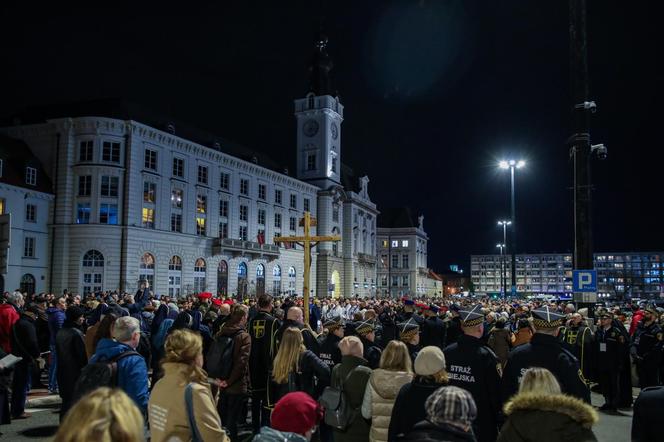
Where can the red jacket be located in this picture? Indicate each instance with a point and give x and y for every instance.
(636, 318)
(8, 317)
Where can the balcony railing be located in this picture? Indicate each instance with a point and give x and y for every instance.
(365, 258)
(238, 247)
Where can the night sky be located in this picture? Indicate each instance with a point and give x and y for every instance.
(435, 93)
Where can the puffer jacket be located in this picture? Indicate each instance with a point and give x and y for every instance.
(167, 410)
(499, 341)
(379, 397)
(268, 434)
(543, 418)
(56, 317)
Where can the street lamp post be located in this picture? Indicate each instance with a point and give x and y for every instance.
(504, 223)
(502, 270)
(511, 165)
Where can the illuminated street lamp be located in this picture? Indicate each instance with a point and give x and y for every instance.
(511, 165)
(502, 269)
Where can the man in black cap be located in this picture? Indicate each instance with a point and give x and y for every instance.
(409, 313)
(646, 348)
(609, 347)
(474, 367)
(328, 343)
(70, 354)
(453, 330)
(433, 328)
(409, 334)
(577, 337)
(366, 332)
(546, 351)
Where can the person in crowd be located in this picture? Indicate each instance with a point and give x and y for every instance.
(646, 348)
(433, 328)
(294, 419)
(234, 390)
(132, 371)
(648, 412)
(578, 338)
(365, 330)
(609, 348)
(546, 351)
(475, 367)
(168, 408)
(5, 385)
(70, 354)
(453, 325)
(24, 345)
(328, 342)
(383, 387)
(430, 374)
(637, 316)
(540, 412)
(56, 317)
(103, 329)
(409, 334)
(8, 316)
(500, 340)
(450, 413)
(352, 376)
(296, 368)
(314, 314)
(387, 321)
(262, 329)
(523, 334)
(295, 318)
(103, 415)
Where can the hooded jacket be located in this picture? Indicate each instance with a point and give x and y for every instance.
(543, 418)
(268, 434)
(379, 397)
(238, 380)
(132, 370)
(56, 317)
(167, 412)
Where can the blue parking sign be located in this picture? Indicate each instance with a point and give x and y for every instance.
(584, 281)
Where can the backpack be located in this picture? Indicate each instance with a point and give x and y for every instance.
(219, 358)
(338, 412)
(99, 374)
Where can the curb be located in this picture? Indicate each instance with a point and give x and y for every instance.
(43, 401)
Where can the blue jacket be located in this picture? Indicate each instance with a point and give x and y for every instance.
(132, 370)
(56, 318)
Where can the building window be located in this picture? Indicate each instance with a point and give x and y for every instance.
(85, 150)
(334, 164)
(243, 233)
(27, 284)
(293, 201)
(84, 185)
(150, 159)
(291, 281)
(293, 224)
(383, 261)
(30, 213)
(176, 222)
(277, 220)
(148, 218)
(199, 275)
(260, 237)
(223, 230)
(200, 226)
(83, 213)
(395, 261)
(276, 280)
(93, 271)
(405, 280)
(262, 191)
(395, 281)
(149, 192)
(277, 196)
(335, 213)
(225, 179)
(109, 186)
(395, 243)
(31, 176)
(108, 213)
(178, 167)
(174, 276)
(311, 161)
(2, 206)
(201, 204)
(28, 247)
(384, 243)
(202, 174)
(176, 198)
(383, 280)
(111, 152)
(261, 217)
(146, 269)
(244, 212)
(404, 262)
(244, 186)
(404, 243)
(223, 208)
(306, 205)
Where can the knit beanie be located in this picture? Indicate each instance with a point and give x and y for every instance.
(296, 413)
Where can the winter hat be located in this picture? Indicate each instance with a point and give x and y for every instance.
(450, 404)
(430, 360)
(297, 413)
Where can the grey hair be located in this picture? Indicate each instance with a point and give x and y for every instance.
(125, 327)
(15, 297)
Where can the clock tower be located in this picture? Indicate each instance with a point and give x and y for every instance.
(319, 115)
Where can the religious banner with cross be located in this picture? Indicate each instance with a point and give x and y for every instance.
(307, 241)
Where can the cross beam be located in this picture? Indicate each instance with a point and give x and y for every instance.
(307, 222)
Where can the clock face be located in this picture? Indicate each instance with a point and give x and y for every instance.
(335, 131)
(310, 128)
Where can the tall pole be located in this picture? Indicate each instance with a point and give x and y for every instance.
(504, 264)
(307, 266)
(513, 244)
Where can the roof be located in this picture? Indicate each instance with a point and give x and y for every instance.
(16, 156)
(391, 218)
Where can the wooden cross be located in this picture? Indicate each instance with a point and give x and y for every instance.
(307, 241)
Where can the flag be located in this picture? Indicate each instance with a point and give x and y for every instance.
(260, 238)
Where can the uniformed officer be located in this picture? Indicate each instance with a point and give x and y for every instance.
(646, 348)
(578, 339)
(372, 352)
(328, 343)
(609, 348)
(262, 329)
(409, 334)
(545, 350)
(433, 328)
(474, 367)
(453, 330)
(409, 313)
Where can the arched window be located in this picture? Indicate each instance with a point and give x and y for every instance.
(335, 244)
(146, 269)
(276, 281)
(241, 280)
(222, 278)
(291, 281)
(260, 279)
(199, 275)
(174, 276)
(27, 284)
(93, 272)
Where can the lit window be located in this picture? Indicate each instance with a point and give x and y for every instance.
(395, 243)
(149, 192)
(108, 213)
(201, 204)
(200, 226)
(83, 213)
(176, 198)
(111, 152)
(384, 243)
(2, 206)
(148, 218)
(404, 243)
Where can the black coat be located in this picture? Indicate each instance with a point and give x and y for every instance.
(71, 357)
(453, 330)
(372, 353)
(409, 407)
(425, 431)
(313, 376)
(433, 332)
(328, 350)
(474, 367)
(389, 327)
(547, 352)
(648, 412)
(309, 338)
(24, 338)
(262, 329)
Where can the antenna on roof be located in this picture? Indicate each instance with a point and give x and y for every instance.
(216, 145)
(254, 159)
(170, 127)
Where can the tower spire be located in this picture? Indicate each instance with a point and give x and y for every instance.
(319, 70)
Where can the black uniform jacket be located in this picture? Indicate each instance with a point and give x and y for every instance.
(433, 332)
(263, 331)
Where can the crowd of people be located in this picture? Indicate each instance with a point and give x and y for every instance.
(133, 367)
